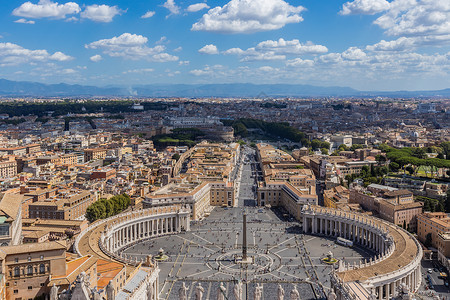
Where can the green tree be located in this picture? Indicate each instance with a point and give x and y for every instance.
(324, 151)
(342, 147)
(394, 166)
(176, 156)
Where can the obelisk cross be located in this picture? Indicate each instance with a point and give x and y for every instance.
(244, 238)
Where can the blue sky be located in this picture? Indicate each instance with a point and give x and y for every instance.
(364, 44)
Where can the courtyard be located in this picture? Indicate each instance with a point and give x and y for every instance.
(280, 255)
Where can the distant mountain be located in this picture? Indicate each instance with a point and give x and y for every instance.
(25, 88)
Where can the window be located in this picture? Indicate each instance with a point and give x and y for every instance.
(16, 260)
(30, 270)
(30, 287)
(16, 271)
(29, 258)
(16, 291)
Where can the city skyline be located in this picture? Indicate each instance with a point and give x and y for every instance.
(366, 45)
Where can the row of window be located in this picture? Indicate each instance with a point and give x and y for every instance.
(30, 270)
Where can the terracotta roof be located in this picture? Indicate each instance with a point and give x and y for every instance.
(10, 205)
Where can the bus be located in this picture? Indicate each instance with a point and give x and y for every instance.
(344, 242)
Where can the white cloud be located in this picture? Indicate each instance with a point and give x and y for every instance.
(197, 7)
(46, 9)
(12, 54)
(291, 47)
(183, 62)
(172, 7)
(178, 49)
(400, 44)
(161, 40)
(414, 22)
(101, 13)
(139, 71)
(354, 53)
(416, 18)
(247, 16)
(148, 14)
(209, 49)
(298, 62)
(132, 46)
(59, 56)
(365, 7)
(96, 58)
(24, 21)
(277, 50)
(68, 71)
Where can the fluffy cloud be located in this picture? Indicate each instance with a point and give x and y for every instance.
(59, 56)
(277, 50)
(172, 7)
(291, 47)
(46, 9)
(24, 21)
(132, 46)
(209, 49)
(96, 58)
(247, 16)
(400, 44)
(148, 14)
(417, 18)
(197, 7)
(298, 62)
(365, 7)
(414, 22)
(12, 54)
(101, 13)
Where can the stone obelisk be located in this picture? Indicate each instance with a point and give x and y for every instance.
(244, 238)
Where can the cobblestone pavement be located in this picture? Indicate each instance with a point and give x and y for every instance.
(280, 255)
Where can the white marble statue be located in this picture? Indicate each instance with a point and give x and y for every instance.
(199, 290)
(331, 295)
(182, 292)
(221, 292)
(280, 292)
(237, 291)
(54, 292)
(294, 295)
(258, 291)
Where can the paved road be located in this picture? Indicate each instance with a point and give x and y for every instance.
(247, 181)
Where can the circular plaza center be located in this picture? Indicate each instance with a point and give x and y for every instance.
(277, 256)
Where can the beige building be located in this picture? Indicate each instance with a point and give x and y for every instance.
(94, 154)
(396, 206)
(443, 244)
(27, 268)
(432, 224)
(336, 197)
(66, 205)
(195, 195)
(8, 169)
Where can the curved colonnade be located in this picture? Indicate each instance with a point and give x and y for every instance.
(105, 238)
(396, 264)
(121, 231)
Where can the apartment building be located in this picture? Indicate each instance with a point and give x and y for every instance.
(432, 224)
(66, 205)
(8, 168)
(28, 268)
(395, 206)
(94, 154)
